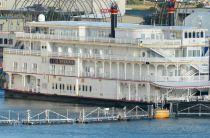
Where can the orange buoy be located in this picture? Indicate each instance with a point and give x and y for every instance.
(161, 114)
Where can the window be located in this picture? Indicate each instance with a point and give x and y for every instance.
(152, 36)
(60, 86)
(10, 41)
(34, 66)
(194, 53)
(5, 41)
(90, 88)
(67, 87)
(53, 86)
(142, 36)
(44, 59)
(38, 82)
(185, 35)
(1, 41)
(15, 65)
(63, 86)
(63, 70)
(1, 4)
(25, 66)
(143, 54)
(198, 53)
(202, 35)
(52, 31)
(83, 88)
(56, 86)
(190, 35)
(52, 69)
(70, 87)
(193, 34)
(198, 35)
(74, 88)
(190, 53)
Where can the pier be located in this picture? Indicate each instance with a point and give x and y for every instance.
(199, 109)
(98, 115)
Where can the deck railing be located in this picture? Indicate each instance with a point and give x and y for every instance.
(104, 56)
(153, 78)
(134, 42)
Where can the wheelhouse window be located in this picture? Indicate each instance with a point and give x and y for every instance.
(190, 35)
(202, 34)
(193, 34)
(185, 35)
(198, 35)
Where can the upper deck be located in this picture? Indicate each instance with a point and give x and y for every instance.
(134, 34)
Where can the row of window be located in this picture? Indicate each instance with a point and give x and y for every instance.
(194, 53)
(6, 41)
(69, 87)
(25, 66)
(194, 34)
(152, 36)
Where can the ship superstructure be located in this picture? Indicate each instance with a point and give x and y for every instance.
(142, 63)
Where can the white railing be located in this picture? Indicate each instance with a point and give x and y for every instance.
(163, 42)
(142, 77)
(104, 56)
(78, 38)
(138, 42)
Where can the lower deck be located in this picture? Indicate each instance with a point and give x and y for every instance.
(112, 89)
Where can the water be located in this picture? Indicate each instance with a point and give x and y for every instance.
(182, 127)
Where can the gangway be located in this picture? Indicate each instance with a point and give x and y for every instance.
(46, 117)
(136, 113)
(107, 115)
(8, 119)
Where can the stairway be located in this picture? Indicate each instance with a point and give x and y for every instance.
(19, 45)
(162, 52)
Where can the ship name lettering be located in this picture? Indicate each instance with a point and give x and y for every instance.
(62, 61)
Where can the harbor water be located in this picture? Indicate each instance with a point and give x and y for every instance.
(177, 127)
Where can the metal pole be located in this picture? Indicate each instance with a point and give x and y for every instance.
(83, 115)
(209, 60)
(199, 109)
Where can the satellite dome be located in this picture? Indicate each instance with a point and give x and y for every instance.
(41, 18)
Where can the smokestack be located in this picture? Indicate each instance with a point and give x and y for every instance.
(171, 10)
(171, 19)
(114, 11)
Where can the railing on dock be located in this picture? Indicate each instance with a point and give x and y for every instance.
(196, 110)
(46, 117)
(8, 118)
(98, 115)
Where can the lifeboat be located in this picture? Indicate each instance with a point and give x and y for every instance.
(162, 114)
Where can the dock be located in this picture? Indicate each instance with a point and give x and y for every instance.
(191, 109)
(98, 115)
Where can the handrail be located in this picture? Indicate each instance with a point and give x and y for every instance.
(138, 42)
(105, 56)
